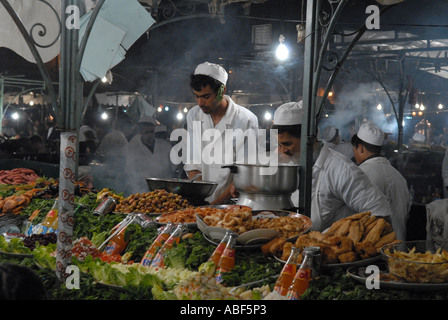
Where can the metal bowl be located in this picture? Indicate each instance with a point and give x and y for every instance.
(269, 180)
(196, 189)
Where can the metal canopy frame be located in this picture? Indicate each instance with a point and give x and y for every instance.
(317, 56)
(67, 108)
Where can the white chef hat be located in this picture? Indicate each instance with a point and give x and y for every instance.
(212, 70)
(370, 133)
(329, 133)
(289, 113)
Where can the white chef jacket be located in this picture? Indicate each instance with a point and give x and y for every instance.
(343, 147)
(341, 189)
(141, 163)
(113, 144)
(394, 186)
(236, 117)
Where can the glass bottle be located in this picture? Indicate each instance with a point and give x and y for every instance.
(287, 274)
(216, 255)
(118, 243)
(157, 244)
(173, 238)
(302, 278)
(227, 260)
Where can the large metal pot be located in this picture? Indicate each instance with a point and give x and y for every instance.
(281, 179)
(186, 188)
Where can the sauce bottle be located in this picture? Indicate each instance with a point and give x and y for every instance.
(302, 278)
(173, 238)
(50, 222)
(157, 244)
(287, 274)
(216, 255)
(227, 260)
(118, 243)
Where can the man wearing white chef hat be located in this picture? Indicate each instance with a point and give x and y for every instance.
(147, 157)
(367, 150)
(330, 136)
(339, 187)
(215, 110)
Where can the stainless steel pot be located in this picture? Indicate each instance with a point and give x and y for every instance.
(281, 179)
(186, 188)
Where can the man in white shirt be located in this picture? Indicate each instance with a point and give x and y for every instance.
(147, 157)
(330, 136)
(367, 150)
(215, 110)
(339, 187)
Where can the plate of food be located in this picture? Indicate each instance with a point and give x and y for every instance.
(423, 261)
(252, 227)
(187, 216)
(351, 241)
(388, 280)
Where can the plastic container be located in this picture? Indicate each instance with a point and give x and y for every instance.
(423, 261)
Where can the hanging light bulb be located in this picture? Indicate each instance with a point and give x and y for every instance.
(267, 115)
(282, 51)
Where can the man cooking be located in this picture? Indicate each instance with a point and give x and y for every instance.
(215, 110)
(339, 187)
(367, 151)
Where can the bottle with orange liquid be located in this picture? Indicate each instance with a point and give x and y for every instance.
(157, 244)
(117, 243)
(216, 255)
(173, 238)
(303, 276)
(227, 260)
(50, 222)
(287, 274)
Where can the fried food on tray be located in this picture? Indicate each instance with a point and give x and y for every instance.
(287, 226)
(236, 218)
(350, 239)
(274, 246)
(239, 219)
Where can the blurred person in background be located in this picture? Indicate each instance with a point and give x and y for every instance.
(147, 157)
(330, 136)
(8, 130)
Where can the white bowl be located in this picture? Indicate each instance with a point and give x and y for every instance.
(215, 233)
(257, 236)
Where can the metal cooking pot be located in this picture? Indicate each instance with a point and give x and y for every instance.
(186, 188)
(263, 179)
